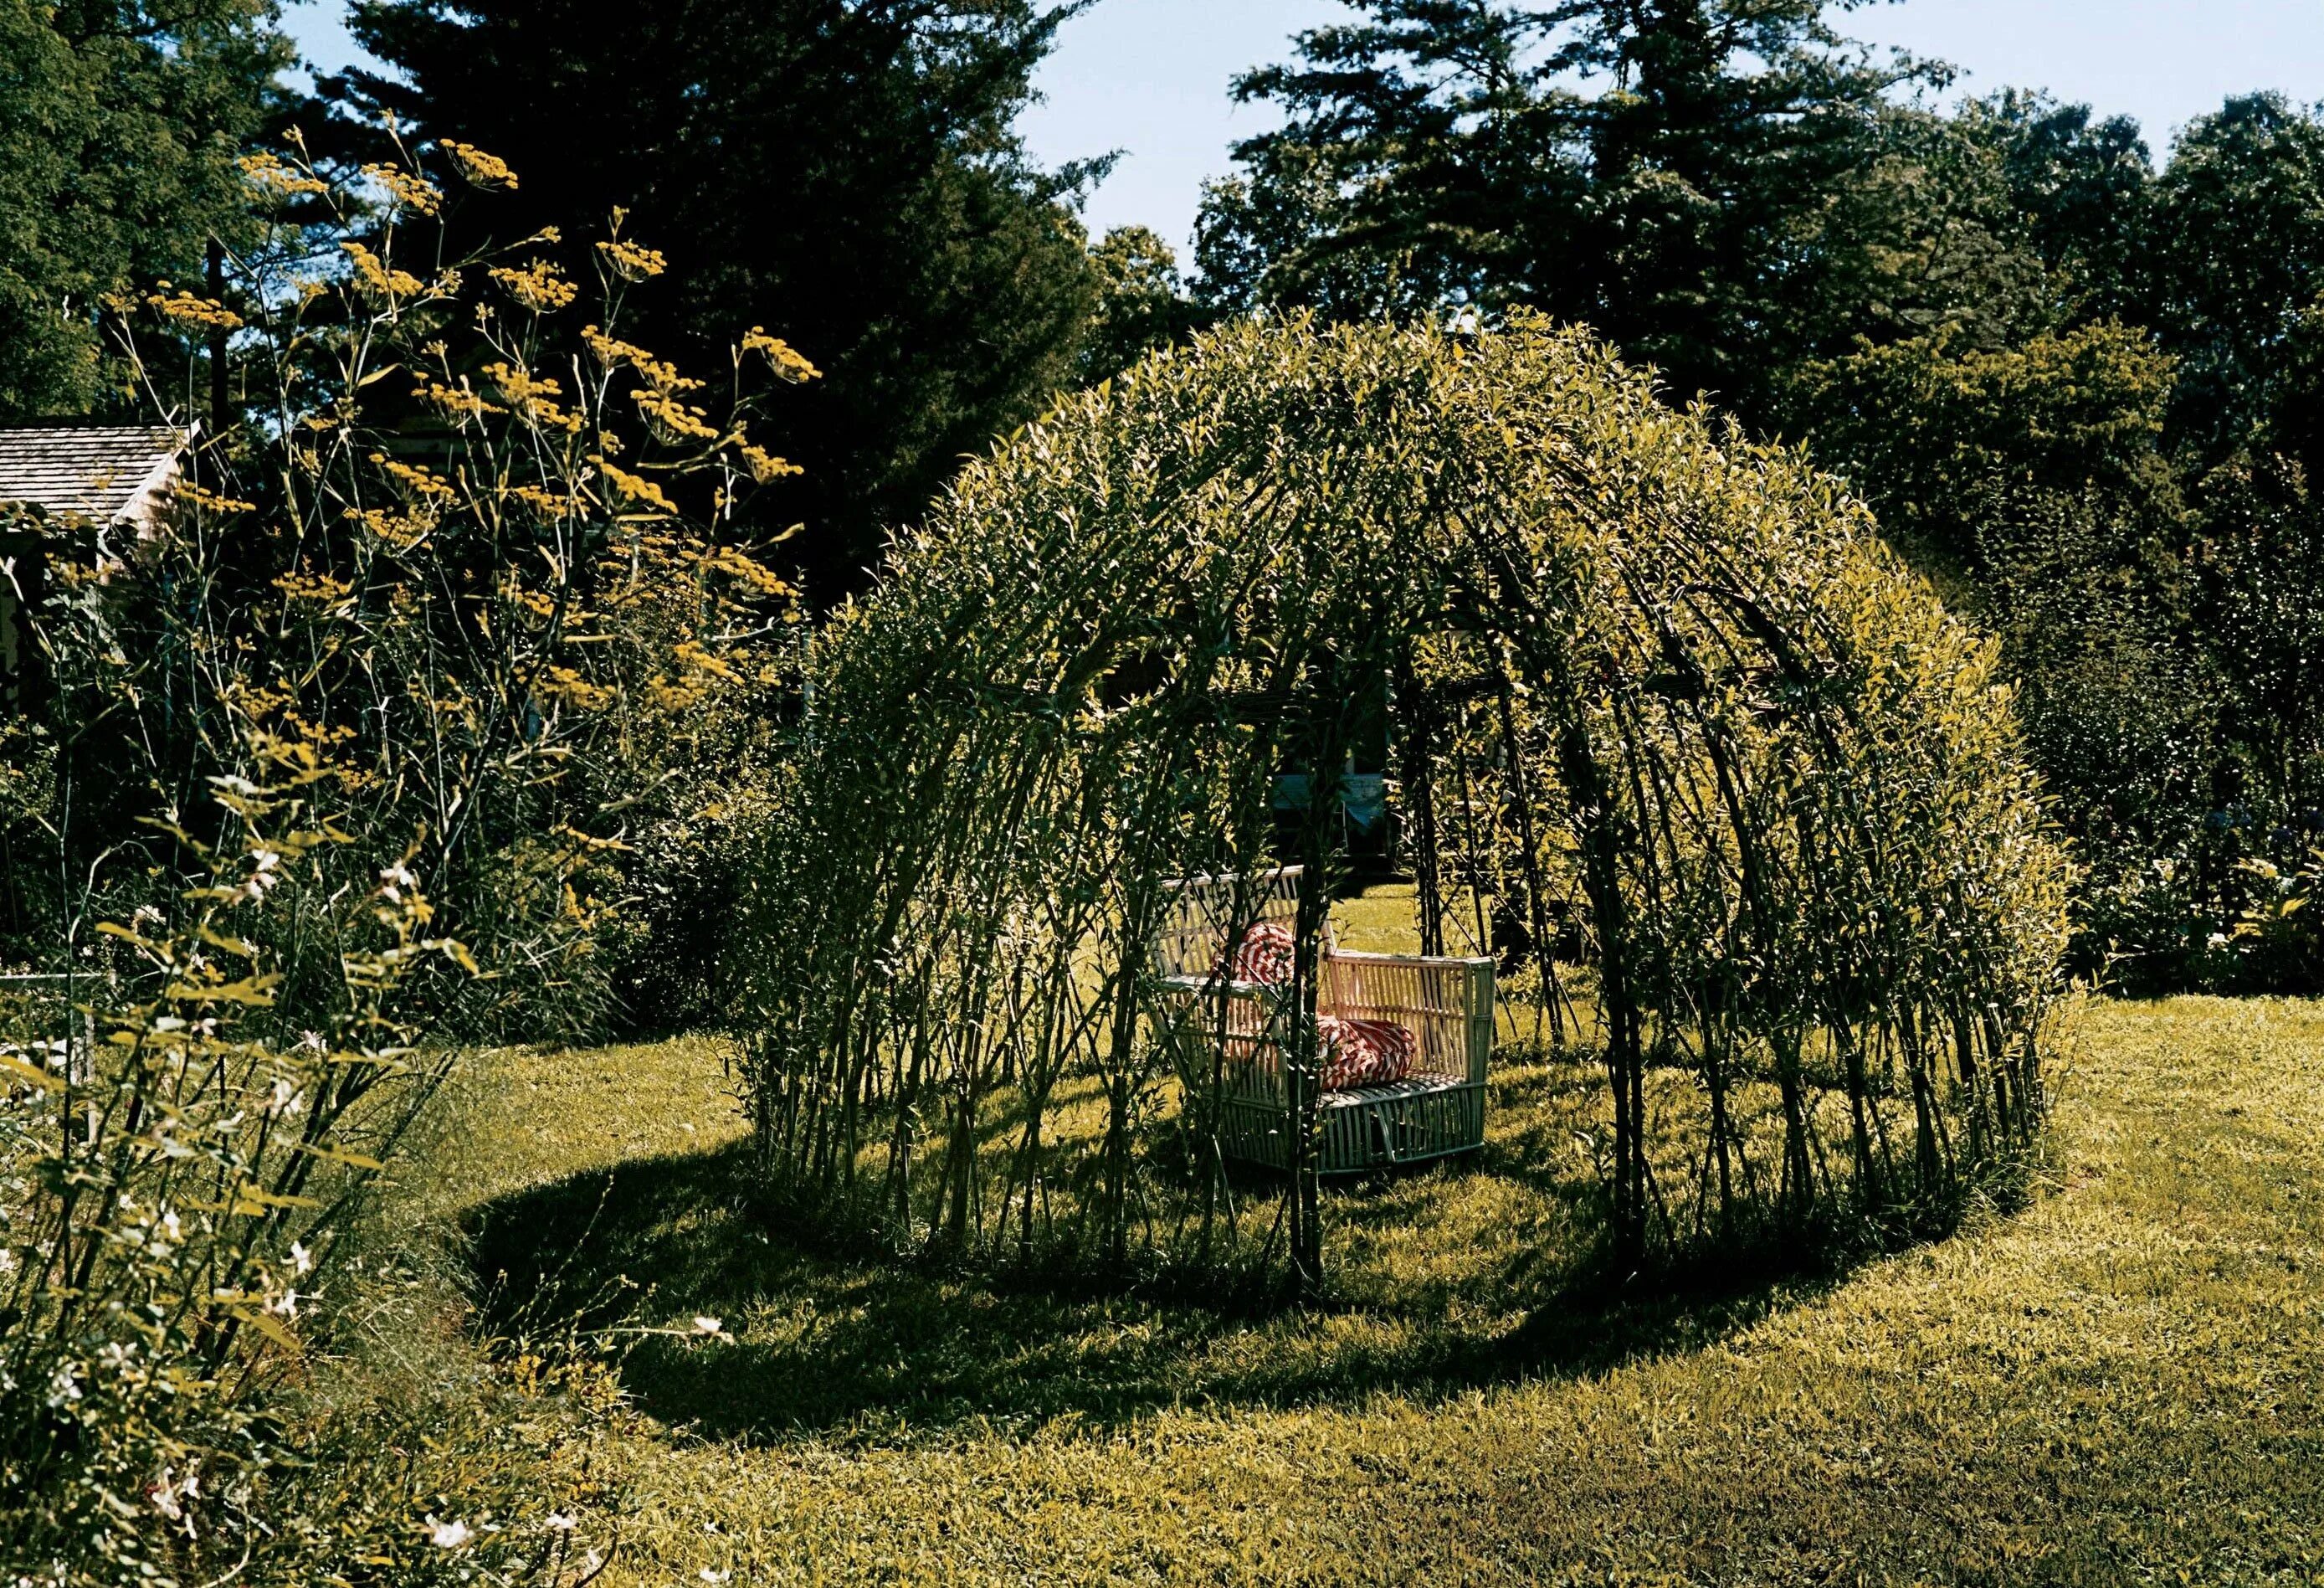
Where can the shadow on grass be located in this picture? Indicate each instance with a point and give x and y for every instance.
(867, 1349)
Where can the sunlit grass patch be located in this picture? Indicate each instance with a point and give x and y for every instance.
(2124, 1380)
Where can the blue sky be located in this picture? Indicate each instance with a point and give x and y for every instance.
(1150, 77)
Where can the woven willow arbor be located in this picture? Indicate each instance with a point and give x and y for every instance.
(1647, 690)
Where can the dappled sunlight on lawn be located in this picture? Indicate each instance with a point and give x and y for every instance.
(2121, 1381)
(1444, 1278)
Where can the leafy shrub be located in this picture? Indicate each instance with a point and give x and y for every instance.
(473, 566)
(343, 760)
(171, 1194)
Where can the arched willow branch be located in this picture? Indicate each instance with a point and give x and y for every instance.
(1655, 694)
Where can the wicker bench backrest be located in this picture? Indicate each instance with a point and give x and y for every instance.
(1204, 916)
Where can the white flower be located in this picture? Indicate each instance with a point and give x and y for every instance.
(263, 863)
(287, 1303)
(448, 1535)
(64, 1384)
(558, 1522)
(169, 1224)
(708, 1575)
(302, 1259)
(163, 1493)
(708, 1326)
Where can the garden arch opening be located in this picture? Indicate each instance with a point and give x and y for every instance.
(1655, 694)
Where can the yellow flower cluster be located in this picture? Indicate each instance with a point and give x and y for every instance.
(547, 503)
(788, 364)
(633, 488)
(273, 179)
(406, 189)
(765, 466)
(375, 278)
(319, 588)
(203, 499)
(611, 352)
(673, 421)
(417, 484)
(478, 168)
(459, 404)
(299, 751)
(537, 285)
(401, 531)
(537, 602)
(566, 687)
(189, 310)
(533, 397)
(631, 262)
(695, 656)
(737, 565)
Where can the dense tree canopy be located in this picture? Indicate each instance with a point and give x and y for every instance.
(1685, 176)
(1142, 301)
(843, 171)
(2081, 393)
(2236, 251)
(120, 125)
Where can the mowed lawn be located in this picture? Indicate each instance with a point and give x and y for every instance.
(2124, 1383)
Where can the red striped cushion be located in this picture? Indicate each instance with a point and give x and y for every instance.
(1266, 956)
(1364, 1053)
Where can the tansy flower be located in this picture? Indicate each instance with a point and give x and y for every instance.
(537, 285)
(273, 179)
(632, 262)
(478, 168)
(375, 278)
(786, 361)
(189, 310)
(406, 190)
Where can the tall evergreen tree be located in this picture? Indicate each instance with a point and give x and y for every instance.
(2081, 189)
(844, 171)
(1142, 303)
(2236, 252)
(120, 123)
(1665, 170)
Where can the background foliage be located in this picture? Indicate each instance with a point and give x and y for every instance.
(848, 172)
(2065, 380)
(120, 126)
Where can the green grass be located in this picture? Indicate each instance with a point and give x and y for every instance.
(2122, 1384)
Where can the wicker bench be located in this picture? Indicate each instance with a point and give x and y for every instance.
(1233, 1034)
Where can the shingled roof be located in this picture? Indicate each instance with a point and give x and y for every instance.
(105, 473)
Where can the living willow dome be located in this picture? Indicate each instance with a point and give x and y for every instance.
(1656, 697)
